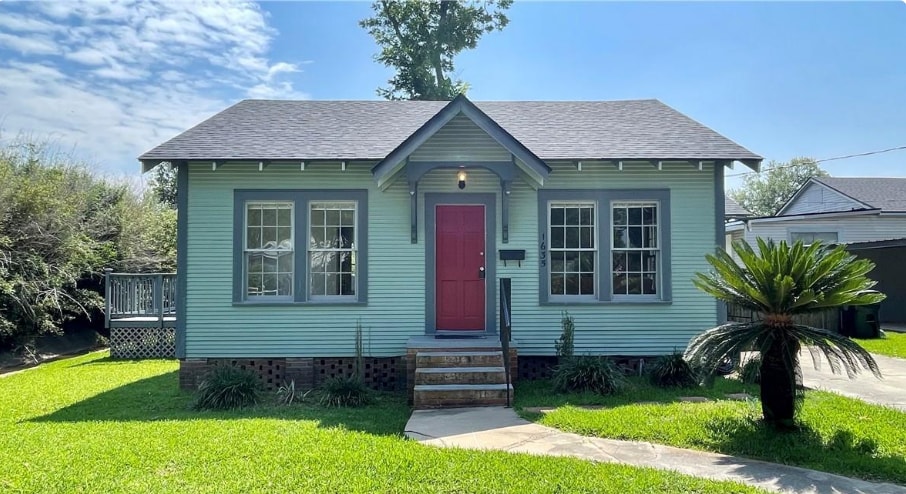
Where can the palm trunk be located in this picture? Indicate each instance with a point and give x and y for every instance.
(778, 382)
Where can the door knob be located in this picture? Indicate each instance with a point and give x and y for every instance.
(481, 273)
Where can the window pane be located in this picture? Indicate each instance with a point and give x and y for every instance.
(587, 238)
(587, 262)
(619, 216)
(557, 216)
(254, 283)
(270, 284)
(285, 263)
(619, 261)
(572, 284)
(269, 217)
(254, 216)
(347, 217)
(585, 217)
(572, 238)
(587, 284)
(635, 261)
(332, 284)
(318, 238)
(826, 237)
(346, 285)
(347, 237)
(620, 237)
(284, 237)
(253, 239)
(571, 261)
(557, 285)
(649, 215)
(285, 284)
(572, 216)
(650, 240)
(284, 216)
(317, 217)
(558, 238)
(557, 262)
(269, 237)
(649, 284)
(332, 238)
(619, 283)
(635, 216)
(635, 236)
(649, 261)
(317, 284)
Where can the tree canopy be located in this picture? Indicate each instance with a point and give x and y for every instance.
(765, 193)
(420, 39)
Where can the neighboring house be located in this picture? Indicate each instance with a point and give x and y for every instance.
(299, 219)
(733, 211)
(866, 214)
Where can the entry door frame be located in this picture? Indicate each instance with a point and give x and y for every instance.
(489, 201)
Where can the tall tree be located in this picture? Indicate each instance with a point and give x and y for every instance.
(420, 39)
(163, 183)
(765, 193)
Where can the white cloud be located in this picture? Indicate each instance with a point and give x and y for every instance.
(116, 78)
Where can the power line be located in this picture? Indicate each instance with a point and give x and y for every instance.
(869, 153)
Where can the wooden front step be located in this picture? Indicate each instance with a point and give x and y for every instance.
(460, 379)
(461, 395)
(458, 359)
(460, 375)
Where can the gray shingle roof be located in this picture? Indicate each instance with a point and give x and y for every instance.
(887, 194)
(732, 208)
(310, 130)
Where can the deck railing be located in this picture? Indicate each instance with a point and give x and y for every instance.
(146, 296)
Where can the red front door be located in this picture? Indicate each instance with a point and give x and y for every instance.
(459, 267)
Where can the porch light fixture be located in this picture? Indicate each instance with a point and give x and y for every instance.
(462, 178)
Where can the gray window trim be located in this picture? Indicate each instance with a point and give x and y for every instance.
(301, 200)
(603, 199)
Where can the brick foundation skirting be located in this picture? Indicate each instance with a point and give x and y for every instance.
(384, 373)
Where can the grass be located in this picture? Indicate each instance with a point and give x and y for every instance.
(90, 424)
(837, 434)
(892, 344)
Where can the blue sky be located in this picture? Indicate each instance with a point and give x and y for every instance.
(782, 79)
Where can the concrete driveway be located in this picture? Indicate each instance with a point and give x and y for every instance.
(889, 391)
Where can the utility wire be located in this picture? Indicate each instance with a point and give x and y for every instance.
(869, 153)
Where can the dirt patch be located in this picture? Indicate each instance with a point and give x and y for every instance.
(49, 348)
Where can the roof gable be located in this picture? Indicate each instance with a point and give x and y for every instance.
(816, 197)
(459, 106)
(886, 194)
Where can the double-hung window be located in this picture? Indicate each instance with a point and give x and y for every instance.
(635, 248)
(300, 246)
(332, 249)
(604, 245)
(573, 248)
(268, 254)
(809, 238)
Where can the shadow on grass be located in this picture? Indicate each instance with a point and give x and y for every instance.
(159, 398)
(843, 453)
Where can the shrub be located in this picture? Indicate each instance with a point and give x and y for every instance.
(345, 392)
(673, 371)
(588, 373)
(287, 394)
(750, 370)
(565, 344)
(227, 387)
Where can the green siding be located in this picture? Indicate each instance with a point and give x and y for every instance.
(396, 291)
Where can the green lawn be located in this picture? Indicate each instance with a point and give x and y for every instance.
(837, 434)
(892, 345)
(89, 424)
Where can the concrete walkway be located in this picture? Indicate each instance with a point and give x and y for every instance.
(889, 391)
(500, 428)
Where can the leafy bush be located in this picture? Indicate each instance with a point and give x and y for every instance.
(227, 387)
(750, 370)
(345, 392)
(588, 373)
(287, 394)
(672, 371)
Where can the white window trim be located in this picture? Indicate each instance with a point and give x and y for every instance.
(645, 297)
(290, 205)
(354, 249)
(812, 230)
(560, 297)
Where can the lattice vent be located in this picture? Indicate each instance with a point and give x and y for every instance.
(139, 343)
(269, 370)
(379, 373)
(536, 367)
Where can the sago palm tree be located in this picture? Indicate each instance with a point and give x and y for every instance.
(778, 282)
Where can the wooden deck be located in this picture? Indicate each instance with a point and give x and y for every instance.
(140, 300)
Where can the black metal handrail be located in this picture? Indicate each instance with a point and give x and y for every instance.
(506, 330)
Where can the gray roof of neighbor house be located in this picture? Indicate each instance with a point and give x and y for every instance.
(733, 209)
(369, 130)
(886, 194)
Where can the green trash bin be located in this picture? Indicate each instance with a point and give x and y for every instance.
(866, 322)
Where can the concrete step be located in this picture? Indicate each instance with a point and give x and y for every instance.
(424, 360)
(460, 375)
(460, 395)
